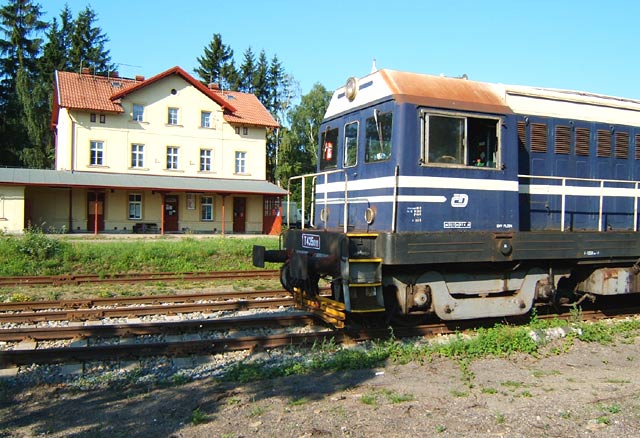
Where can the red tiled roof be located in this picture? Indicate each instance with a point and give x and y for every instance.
(184, 75)
(89, 92)
(249, 110)
(98, 93)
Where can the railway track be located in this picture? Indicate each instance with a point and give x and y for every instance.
(180, 348)
(58, 280)
(123, 307)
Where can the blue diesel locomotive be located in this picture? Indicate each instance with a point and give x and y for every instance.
(464, 199)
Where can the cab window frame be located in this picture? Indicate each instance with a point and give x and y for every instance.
(478, 143)
(350, 144)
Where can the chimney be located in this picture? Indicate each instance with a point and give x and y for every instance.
(139, 78)
(115, 74)
(85, 70)
(214, 87)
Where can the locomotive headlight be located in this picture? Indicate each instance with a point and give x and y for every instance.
(351, 88)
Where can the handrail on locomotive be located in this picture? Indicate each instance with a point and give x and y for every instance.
(324, 217)
(564, 190)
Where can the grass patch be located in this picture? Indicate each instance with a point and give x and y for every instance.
(37, 253)
(198, 417)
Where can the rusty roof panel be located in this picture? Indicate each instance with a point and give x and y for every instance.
(443, 92)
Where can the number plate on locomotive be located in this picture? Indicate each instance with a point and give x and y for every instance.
(311, 241)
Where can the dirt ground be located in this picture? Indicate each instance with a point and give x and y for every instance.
(590, 390)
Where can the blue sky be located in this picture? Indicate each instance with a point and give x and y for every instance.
(583, 45)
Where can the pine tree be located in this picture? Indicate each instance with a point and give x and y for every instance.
(22, 98)
(88, 45)
(260, 80)
(247, 71)
(216, 65)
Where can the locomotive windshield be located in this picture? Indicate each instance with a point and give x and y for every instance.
(350, 144)
(460, 140)
(378, 137)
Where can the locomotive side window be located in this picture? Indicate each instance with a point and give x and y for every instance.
(446, 139)
(350, 144)
(378, 137)
(329, 149)
(461, 140)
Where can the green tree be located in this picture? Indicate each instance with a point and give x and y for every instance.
(21, 96)
(216, 65)
(261, 79)
(298, 152)
(58, 47)
(88, 45)
(247, 72)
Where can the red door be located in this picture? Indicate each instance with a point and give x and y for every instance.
(239, 215)
(271, 218)
(95, 205)
(170, 213)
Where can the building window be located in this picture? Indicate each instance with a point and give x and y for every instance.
(205, 119)
(172, 157)
(135, 206)
(103, 118)
(138, 113)
(137, 155)
(245, 131)
(97, 153)
(241, 162)
(172, 116)
(206, 208)
(92, 117)
(205, 160)
(238, 130)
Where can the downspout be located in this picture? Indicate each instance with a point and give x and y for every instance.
(95, 214)
(223, 200)
(162, 204)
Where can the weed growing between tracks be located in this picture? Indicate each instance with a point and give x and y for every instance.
(498, 341)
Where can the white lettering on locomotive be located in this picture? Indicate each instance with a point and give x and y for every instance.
(311, 241)
(457, 224)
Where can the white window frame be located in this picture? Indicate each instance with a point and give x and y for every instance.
(137, 155)
(96, 153)
(241, 162)
(172, 116)
(172, 157)
(205, 119)
(206, 208)
(135, 206)
(138, 113)
(206, 160)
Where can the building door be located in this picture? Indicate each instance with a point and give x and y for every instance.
(170, 213)
(239, 214)
(271, 218)
(95, 208)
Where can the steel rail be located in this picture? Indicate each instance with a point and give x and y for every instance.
(88, 303)
(214, 346)
(76, 279)
(154, 328)
(127, 312)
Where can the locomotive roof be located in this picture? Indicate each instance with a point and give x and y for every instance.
(466, 95)
(421, 89)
